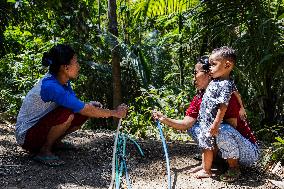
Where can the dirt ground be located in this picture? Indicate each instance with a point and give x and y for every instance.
(89, 166)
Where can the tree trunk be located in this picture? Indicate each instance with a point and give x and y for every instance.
(3, 24)
(116, 76)
(270, 100)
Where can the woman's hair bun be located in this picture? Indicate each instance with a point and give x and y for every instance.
(204, 60)
(46, 60)
(60, 54)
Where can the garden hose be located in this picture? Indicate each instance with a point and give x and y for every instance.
(114, 155)
(119, 165)
(166, 153)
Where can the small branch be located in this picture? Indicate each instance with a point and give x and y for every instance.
(78, 182)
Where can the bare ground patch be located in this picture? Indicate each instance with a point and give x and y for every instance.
(90, 165)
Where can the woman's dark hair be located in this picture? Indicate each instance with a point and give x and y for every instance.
(204, 60)
(58, 55)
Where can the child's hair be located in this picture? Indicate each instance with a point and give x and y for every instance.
(227, 53)
(58, 55)
(204, 60)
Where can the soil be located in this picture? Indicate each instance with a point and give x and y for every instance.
(89, 166)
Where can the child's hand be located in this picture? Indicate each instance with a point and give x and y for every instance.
(242, 113)
(157, 115)
(214, 129)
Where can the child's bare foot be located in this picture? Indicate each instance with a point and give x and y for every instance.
(202, 174)
(195, 169)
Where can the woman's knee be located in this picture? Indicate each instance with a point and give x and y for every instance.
(223, 138)
(227, 145)
(68, 122)
(70, 119)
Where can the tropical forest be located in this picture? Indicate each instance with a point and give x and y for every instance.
(142, 53)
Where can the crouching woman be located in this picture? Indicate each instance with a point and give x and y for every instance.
(51, 109)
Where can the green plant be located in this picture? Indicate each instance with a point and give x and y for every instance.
(139, 121)
(278, 150)
(272, 136)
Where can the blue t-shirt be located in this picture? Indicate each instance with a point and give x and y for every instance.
(62, 95)
(44, 97)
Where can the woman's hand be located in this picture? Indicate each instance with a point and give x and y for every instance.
(121, 111)
(242, 113)
(158, 115)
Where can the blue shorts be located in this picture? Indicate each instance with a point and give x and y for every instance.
(231, 144)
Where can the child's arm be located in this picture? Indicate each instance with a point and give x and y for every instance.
(218, 119)
(242, 111)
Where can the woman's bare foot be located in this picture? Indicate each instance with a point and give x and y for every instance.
(202, 174)
(195, 169)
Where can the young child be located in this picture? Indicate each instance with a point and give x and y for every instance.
(214, 103)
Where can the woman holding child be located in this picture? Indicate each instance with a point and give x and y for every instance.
(213, 117)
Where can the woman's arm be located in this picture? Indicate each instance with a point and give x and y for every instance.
(184, 124)
(92, 111)
(242, 111)
(232, 112)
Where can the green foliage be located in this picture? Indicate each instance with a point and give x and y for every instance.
(278, 152)
(21, 68)
(95, 84)
(272, 136)
(139, 120)
(159, 42)
(269, 133)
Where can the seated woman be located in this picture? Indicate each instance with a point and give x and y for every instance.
(51, 109)
(233, 145)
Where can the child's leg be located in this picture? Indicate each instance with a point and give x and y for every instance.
(207, 159)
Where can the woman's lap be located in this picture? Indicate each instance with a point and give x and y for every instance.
(231, 144)
(36, 136)
(194, 131)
